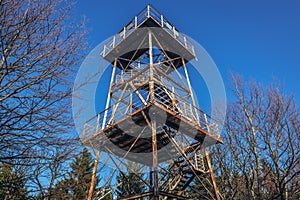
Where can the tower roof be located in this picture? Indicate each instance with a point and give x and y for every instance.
(131, 41)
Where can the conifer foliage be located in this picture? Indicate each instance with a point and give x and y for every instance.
(12, 183)
(130, 183)
(76, 184)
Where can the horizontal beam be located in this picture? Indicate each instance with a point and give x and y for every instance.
(145, 194)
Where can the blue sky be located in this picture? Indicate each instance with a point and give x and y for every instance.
(257, 39)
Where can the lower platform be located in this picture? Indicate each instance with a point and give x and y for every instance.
(131, 137)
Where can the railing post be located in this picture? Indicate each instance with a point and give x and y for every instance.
(104, 48)
(218, 131)
(192, 114)
(148, 11)
(193, 49)
(173, 29)
(162, 20)
(124, 32)
(98, 121)
(184, 38)
(206, 122)
(114, 41)
(135, 21)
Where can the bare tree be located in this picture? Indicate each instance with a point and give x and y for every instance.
(39, 48)
(261, 157)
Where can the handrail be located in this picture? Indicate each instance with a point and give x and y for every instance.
(183, 109)
(139, 19)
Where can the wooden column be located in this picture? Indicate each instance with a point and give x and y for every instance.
(92, 187)
(207, 157)
(212, 175)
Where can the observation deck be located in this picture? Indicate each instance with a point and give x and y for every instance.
(116, 132)
(131, 42)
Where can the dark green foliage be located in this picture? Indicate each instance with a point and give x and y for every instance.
(131, 182)
(77, 183)
(12, 183)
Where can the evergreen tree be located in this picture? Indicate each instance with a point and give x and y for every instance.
(77, 183)
(12, 183)
(131, 182)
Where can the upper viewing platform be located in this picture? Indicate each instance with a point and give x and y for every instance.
(131, 42)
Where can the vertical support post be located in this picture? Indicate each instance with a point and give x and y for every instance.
(212, 175)
(109, 92)
(135, 22)
(153, 121)
(151, 71)
(93, 181)
(148, 11)
(155, 161)
(209, 164)
(162, 20)
(191, 92)
(151, 176)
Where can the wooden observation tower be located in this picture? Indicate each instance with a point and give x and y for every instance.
(151, 116)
